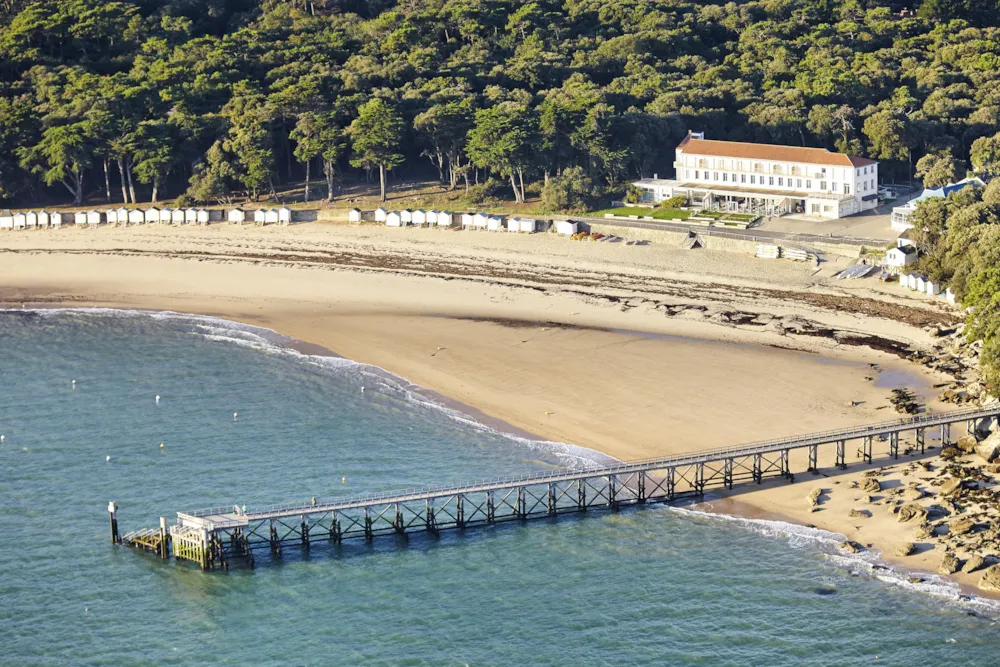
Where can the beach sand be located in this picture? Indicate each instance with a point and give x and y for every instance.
(537, 331)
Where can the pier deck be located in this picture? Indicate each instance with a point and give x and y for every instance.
(214, 537)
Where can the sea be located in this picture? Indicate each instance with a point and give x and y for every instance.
(244, 418)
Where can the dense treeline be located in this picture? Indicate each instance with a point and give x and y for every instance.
(123, 99)
(959, 238)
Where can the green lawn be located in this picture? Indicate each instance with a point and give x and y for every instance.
(657, 213)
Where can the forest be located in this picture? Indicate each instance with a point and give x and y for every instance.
(209, 100)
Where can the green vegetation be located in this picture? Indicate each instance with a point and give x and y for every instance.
(960, 239)
(110, 100)
(656, 213)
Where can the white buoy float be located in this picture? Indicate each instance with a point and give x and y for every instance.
(161, 445)
(73, 384)
(107, 458)
(235, 415)
(2, 438)
(157, 399)
(343, 480)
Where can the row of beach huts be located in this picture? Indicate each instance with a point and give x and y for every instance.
(486, 221)
(135, 216)
(924, 285)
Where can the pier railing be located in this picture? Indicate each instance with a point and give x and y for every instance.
(215, 536)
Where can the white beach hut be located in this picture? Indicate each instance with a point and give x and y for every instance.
(432, 217)
(80, 217)
(468, 220)
(479, 220)
(271, 216)
(566, 227)
(191, 216)
(921, 285)
(202, 216)
(121, 216)
(236, 216)
(932, 288)
(904, 279)
(406, 216)
(381, 214)
(94, 217)
(393, 219)
(285, 215)
(354, 215)
(166, 215)
(30, 219)
(514, 224)
(6, 220)
(136, 217)
(529, 225)
(444, 218)
(419, 217)
(949, 295)
(178, 216)
(111, 215)
(20, 220)
(44, 218)
(494, 223)
(152, 215)
(56, 219)
(260, 217)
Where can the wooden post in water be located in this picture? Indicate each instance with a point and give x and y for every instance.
(164, 551)
(113, 511)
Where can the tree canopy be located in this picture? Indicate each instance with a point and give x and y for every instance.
(169, 95)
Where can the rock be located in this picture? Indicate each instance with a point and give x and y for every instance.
(911, 511)
(906, 549)
(949, 564)
(961, 526)
(950, 486)
(993, 468)
(871, 485)
(967, 444)
(949, 453)
(813, 498)
(991, 579)
(859, 514)
(868, 499)
(923, 531)
(851, 546)
(989, 449)
(974, 563)
(913, 494)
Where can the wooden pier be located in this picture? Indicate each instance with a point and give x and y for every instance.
(219, 537)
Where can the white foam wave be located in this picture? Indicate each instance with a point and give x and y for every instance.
(372, 377)
(868, 563)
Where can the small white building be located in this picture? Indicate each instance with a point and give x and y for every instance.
(260, 217)
(203, 216)
(166, 215)
(44, 218)
(136, 217)
(20, 220)
(566, 227)
(94, 217)
(272, 217)
(111, 215)
(121, 216)
(236, 216)
(920, 284)
(6, 220)
(285, 215)
(432, 217)
(354, 215)
(480, 220)
(444, 218)
(522, 225)
(80, 218)
(30, 219)
(152, 215)
(56, 219)
(381, 214)
(901, 256)
(406, 216)
(468, 220)
(419, 217)
(393, 219)
(178, 216)
(932, 288)
(949, 295)
(494, 223)
(191, 216)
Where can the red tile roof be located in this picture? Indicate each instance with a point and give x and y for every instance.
(739, 149)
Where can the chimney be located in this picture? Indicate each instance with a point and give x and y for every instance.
(655, 176)
(696, 135)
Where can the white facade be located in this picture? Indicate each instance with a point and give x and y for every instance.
(31, 219)
(767, 179)
(419, 217)
(166, 215)
(272, 217)
(20, 220)
(380, 214)
(900, 257)
(494, 223)
(285, 215)
(406, 216)
(6, 220)
(432, 217)
(260, 216)
(236, 215)
(566, 227)
(480, 220)
(178, 216)
(80, 218)
(354, 215)
(190, 216)
(203, 216)
(56, 219)
(468, 220)
(444, 218)
(44, 218)
(393, 219)
(135, 216)
(152, 215)
(111, 215)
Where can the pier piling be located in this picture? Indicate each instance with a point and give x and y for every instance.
(113, 512)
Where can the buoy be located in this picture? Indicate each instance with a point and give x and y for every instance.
(235, 415)
(107, 458)
(157, 399)
(73, 383)
(161, 445)
(2, 438)
(343, 480)
(362, 389)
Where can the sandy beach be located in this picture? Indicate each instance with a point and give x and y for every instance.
(633, 351)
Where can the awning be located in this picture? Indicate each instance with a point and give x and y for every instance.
(869, 197)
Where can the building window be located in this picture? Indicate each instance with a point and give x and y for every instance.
(859, 172)
(715, 175)
(809, 184)
(734, 178)
(781, 181)
(866, 170)
(847, 189)
(696, 176)
(827, 209)
(822, 185)
(753, 179)
(798, 182)
(743, 178)
(770, 180)
(687, 173)
(725, 177)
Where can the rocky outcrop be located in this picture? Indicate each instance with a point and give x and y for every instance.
(961, 526)
(871, 485)
(912, 493)
(989, 449)
(923, 531)
(991, 579)
(949, 453)
(911, 512)
(859, 514)
(851, 546)
(950, 486)
(967, 444)
(906, 549)
(813, 497)
(949, 564)
(974, 563)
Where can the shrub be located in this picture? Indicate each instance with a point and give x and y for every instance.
(570, 192)
(674, 202)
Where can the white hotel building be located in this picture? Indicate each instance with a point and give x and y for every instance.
(767, 179)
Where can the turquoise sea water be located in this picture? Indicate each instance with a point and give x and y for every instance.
(658, 586)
